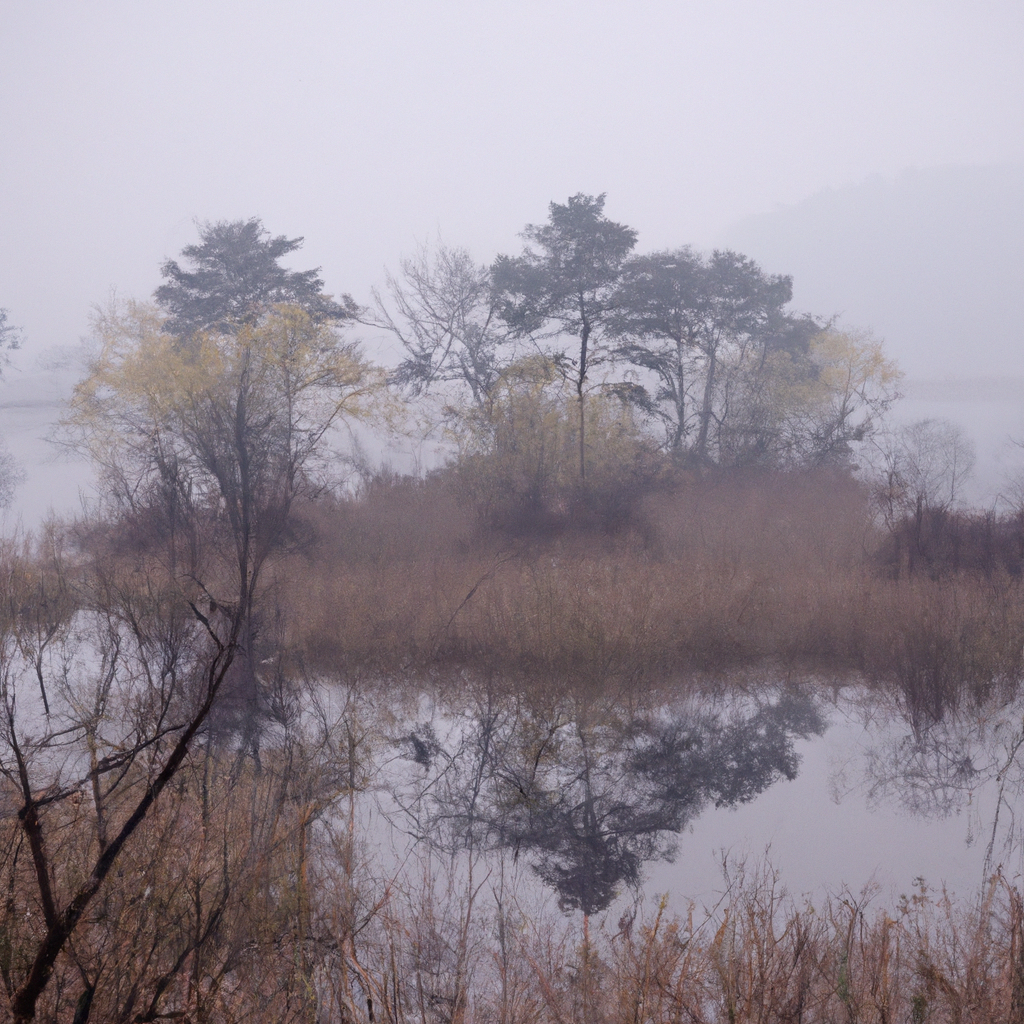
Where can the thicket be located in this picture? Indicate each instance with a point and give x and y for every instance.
(689, 577)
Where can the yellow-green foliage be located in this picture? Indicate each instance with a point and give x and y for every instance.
(151, 396)
(798, 409)
(854, 373)
(523, 444)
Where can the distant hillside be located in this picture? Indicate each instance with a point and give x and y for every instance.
(932, 261)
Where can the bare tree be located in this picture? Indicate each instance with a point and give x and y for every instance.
(113, 725)
(923, 468)
(440, 309)
(204, 441)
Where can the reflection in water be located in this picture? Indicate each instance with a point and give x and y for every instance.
(589, 794)
(929, 773)
(965, 761)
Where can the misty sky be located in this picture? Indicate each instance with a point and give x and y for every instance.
(367, 127)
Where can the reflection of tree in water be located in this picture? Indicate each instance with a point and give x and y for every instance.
(588, 796)
(951, 764)
(929, 773)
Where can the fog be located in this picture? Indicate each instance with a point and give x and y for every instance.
(873, 151)
(932, 261)
(638, 616)
(370, 126)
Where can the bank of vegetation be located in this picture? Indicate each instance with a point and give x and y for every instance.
(659, 481)
(709, 577)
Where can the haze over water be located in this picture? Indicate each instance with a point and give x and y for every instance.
(875, 152)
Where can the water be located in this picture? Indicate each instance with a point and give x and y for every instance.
(873, 806)
(33, 396)
(831, 828)
(861, 810)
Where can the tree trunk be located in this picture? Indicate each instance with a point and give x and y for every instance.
(707, 407)
(581, 380)
(583, 450)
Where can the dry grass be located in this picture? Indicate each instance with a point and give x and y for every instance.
(461, 947)
(711, 578)
(261, 911)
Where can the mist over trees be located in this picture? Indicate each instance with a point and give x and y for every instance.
(929, 258)
(10, 334)
(702, 345)
(11, 473)
(651, 490)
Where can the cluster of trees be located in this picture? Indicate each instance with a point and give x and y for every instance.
(702, 347)
(577, 358)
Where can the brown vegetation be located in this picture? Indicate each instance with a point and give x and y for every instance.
(251, 904)
(707, 577)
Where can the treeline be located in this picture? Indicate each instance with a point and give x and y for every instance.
(577, 355)
(571, 379)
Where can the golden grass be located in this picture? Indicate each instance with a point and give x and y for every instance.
(471, 953)
(712, 578)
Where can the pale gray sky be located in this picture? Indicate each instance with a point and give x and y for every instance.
(369, 126)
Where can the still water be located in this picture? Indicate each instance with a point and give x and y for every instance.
(871, 801)
(840, 823)
(831, 790)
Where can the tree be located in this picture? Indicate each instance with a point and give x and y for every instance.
(854, 385)
(218, 437)
(86, 768)
(11, 473)
(441, 309)
(236, 277)
(924, 466)
(919, 472)
(10, 335)
(222, 410)
(683, 316)
(566, 282)
(235, 421)
(212, 878)
(204, 440)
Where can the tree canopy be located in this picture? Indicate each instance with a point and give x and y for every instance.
(681, 315)
(566, 282)
(227, 386)
(235, 275)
